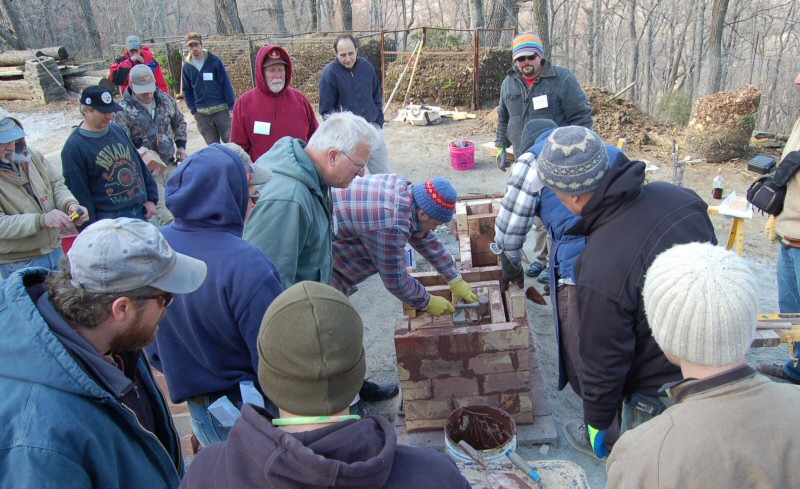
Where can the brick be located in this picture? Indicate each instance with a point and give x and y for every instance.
(413, 391)
(459, 343)
(523, 418)
(515, 402)
(492, 363)
(497, 307)
(521, 359)
(505, 382)
(413, 426)
(416, 346)
(454, 387)
(429, 279)
(426, 409)
(506, 336)
(403, 373)
(432, 369)
(491, 400)
(516, 302)
(490, 273)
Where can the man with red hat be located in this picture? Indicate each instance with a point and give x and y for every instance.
(272, 109)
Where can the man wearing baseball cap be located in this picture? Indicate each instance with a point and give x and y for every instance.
(102, 167)
(273, 109)
(153, 121)
(35, 203)
(135, 54)
(535, 89)
(311, 363)
(207, 343)
(80, 404)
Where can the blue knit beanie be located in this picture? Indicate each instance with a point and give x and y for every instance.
(437, 198)
(573, 161)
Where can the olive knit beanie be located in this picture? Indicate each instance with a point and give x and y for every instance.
(310, 350)
(573, 161)
(701, 302)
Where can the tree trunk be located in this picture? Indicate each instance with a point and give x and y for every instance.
(15, 90)
(634, 53)
(718, 13)
(542, 25)
(227, 12)
(673, 75)
(15, 37)
(476, 20)
(347, 14)
(78, 83)
(14, 58)
(93, 34)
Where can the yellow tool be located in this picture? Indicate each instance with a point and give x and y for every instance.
(76, 214)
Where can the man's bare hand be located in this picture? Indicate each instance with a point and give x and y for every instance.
(149, 210)
(181, 154)
(56, 219)
(82, 218)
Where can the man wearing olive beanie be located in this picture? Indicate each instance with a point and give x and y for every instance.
(311, 364)
(701, 301)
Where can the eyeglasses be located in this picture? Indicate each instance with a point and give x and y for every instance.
(358, 167)
(532, 57)
(165, 298)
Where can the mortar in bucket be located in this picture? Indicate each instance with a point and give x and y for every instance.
(489, 430)
(462, 154)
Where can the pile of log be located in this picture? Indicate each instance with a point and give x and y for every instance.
(41, 75)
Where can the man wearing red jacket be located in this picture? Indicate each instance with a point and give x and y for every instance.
(272, 109)
(135, 54)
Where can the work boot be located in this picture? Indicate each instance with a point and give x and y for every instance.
(534, 269)
(777, 370)
(372, 392)
(544, 276)
(578, 436)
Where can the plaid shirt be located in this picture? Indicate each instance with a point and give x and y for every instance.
(518, 207)
(376, 216)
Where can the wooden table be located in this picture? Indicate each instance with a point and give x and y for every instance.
(736, 236)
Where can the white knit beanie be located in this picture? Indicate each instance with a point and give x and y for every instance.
(701, 302)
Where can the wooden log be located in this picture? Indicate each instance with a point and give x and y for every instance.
(78, 83)
(14, 58)
(15, 90)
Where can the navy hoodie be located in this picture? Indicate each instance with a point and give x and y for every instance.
(207, 342)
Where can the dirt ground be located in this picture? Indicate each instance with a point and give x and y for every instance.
(420, 153)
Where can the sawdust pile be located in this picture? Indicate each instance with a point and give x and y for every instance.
(721, 124)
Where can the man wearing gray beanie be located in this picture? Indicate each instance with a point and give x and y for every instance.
(311, 364)
(627, 224)
(701, 301)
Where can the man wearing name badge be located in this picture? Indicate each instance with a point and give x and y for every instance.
(208, 91)
(535, 89)
(273, 109)
(101, 166)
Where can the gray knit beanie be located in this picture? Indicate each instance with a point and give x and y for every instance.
(310, 351)
(701, 302)
(573, 161)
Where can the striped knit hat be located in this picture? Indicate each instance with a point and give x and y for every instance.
(573, 161)
(437, 198)
(526, 44)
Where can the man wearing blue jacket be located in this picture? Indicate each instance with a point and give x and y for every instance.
(207, 342)
(350, 83)
(208, 91)
(80, 407)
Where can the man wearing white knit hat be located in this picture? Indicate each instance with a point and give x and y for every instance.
(730, 426)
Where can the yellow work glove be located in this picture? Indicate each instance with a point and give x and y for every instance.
(461, 290)
(769, 230)
(439, 306)
(501, 159)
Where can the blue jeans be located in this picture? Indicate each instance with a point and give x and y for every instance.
(206, 427)
(134, 213)
(641, 408)
(49, 261)
(789, 294)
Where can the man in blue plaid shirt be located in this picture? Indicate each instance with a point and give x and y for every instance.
(376, 216)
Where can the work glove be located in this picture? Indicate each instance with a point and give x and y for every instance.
(439, 306)
(511, 273)
(769, 230)
(501, 159)
(597, 438)
(461, 290)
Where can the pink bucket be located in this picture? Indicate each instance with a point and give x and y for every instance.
(462, 158)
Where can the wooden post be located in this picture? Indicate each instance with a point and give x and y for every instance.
(475, 63)
(252, 62)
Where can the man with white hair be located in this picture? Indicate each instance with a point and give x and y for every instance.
(701, 302)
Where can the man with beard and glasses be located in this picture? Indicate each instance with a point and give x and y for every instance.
(34, 201)
(81, 408)
(273, 109)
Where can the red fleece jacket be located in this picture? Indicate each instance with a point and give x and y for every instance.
(261, 118)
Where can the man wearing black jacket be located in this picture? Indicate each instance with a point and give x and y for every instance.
(627, 224)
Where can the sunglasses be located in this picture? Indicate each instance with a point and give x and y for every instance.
(532, 57)
(165, 298)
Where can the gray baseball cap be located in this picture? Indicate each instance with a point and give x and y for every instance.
(142, 79)
(133, 42)
(124, 254)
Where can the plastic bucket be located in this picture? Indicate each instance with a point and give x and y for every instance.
(66, 242)
(489, 430)
(462, 158)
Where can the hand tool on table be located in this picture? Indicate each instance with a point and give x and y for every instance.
(524, 466)
(499, 480)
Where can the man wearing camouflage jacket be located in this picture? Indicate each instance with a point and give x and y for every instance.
(152, 120)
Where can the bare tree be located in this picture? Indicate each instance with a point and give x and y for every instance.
(227, 15)
(542, 25)
(718, 13)
(347, 14)
(12, 32)
(93, 34)
(476, 14)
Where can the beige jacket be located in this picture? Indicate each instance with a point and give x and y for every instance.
(23, 234)
(787, 224)
(736, 429)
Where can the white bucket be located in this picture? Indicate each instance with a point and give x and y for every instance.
(494, 455)
(492, 424)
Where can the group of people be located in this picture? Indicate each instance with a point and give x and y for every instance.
(267, 231)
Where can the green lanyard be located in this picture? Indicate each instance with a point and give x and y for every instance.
(313, 420)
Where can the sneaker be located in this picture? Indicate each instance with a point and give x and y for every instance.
(544, 276)
(777, 370)
(578, 436)
(372, 392)
(534, 269)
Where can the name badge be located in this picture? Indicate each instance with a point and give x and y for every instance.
(262, 128)
(208, 76)
(540, 102)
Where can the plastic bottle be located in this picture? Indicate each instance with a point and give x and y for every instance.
(410, 265)
(719, 183)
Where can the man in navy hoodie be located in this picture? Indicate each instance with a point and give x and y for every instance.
(207, 343)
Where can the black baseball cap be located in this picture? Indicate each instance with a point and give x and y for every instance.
(100, 99)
